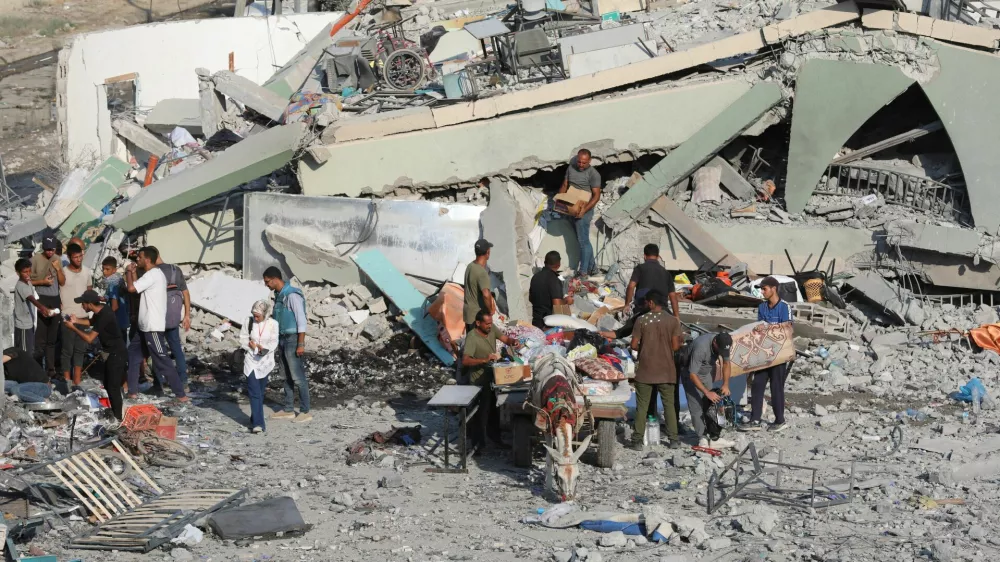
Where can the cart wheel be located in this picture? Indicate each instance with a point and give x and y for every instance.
(521, 448)
(607, 443)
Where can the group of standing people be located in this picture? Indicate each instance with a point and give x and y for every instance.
(138, 316)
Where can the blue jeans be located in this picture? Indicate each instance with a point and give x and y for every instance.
(173, 336)
(28, 391)
(295, 373)
(582, 225)
(255, 389)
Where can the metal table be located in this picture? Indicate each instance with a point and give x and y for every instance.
(461, 397)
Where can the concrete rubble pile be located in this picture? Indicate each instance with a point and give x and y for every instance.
(846, 150)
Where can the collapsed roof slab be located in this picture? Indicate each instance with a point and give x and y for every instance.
(914, 24)
(964, 96)
(650, 69)
(165, 56)
(957, 272)
(182, 237)
(694, 233)
(257, 98)
(692, 154)
(498, 224)
(249, 159)
(539, 138)
(421, 238)
(832, 100)
(891, 299)
(762, 245)
(293, 75)
(934, 238)
(100, 188)
(141, 138)
(175, 112)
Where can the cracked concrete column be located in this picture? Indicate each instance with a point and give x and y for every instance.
(212, 103)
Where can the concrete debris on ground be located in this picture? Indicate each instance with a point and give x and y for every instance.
(844, 150)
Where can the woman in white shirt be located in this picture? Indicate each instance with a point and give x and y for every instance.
(259, 339)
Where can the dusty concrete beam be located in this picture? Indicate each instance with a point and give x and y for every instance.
(692, 154)
(250, 159)
(257, 98)
(497, 223)
(925, 26)
(185, 234)
(971, 118)
(379, 125)
(958, 272)
(694, 233)
(170, 114)
(140, 137)
(891, 299)
(227, 296)
(829, 107)
(307, 261)
(473, 150)
(934, 238)
(734, 183)
(590, 84)
(210, 102)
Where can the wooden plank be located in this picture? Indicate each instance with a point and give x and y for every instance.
(120, 486)
(96, 507)
(90, 507)
(142, 474)
(110, 498)
(122, 78)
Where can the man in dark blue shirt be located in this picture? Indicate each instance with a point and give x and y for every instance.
(773, 311)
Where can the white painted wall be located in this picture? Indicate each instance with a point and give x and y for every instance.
(165, 56)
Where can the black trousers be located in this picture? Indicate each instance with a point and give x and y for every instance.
(776, 376)
(47, 336)
(115, 368)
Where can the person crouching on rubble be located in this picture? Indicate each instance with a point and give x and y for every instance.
(656, 337)
(773, 311)
(259, 339)
(709, 355)
(480, 351)
(105, 327)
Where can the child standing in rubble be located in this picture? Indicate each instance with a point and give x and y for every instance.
(259, 339)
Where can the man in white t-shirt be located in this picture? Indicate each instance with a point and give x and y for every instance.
(152, 287)
(77, 280)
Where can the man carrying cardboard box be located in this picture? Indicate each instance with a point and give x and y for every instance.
(580, 175)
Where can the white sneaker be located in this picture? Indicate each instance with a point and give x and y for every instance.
(703, 442)
(722, 444)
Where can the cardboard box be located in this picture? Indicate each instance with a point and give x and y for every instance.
(167, 428)
(562, 309)
(565, 202)
(510, 373)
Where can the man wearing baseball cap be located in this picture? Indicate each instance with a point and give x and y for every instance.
(709, 353)
(477, 286)
(773, 311)
(105, 327)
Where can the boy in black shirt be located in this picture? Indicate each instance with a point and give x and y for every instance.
(106, 328)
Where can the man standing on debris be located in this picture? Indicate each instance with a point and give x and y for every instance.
(78, 279)
(648, 276)
(477, 286)
(479, 352)
(546, 291)
(47, 276)
(290, 312)
(656, 337)
(773, 311)
(152, 288)
(26, 308)
(709, 352)
(582, 175)
(106, 328)
(178, 314)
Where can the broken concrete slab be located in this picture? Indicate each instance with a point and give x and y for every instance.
(66, 198)
(692, 154)
(600, 40)
(591, 62)
(226, 296)
(307, 260)
(466, 153)
(291, 77)
(828, 108)
(250, 159)
(971, 123)
(140, 138)
(186, 235)
(420, 238)
(498, 226)
(175, 112)
(407, 299)
(455, 44)
(951, 31)
(889, 298)
(734, 183)
(257, 98)
(687, 228)
(934, 238)
(377, 125)
(100, 188)
(264, 518)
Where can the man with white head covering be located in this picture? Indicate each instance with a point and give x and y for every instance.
(259, 339)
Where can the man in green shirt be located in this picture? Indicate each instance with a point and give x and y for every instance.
(477, 286)
(481, 350)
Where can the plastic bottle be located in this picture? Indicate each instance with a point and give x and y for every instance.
(822, 352)
(652, 436)
(915, 415)
(976, 399)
